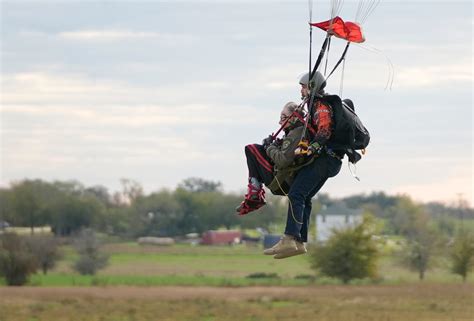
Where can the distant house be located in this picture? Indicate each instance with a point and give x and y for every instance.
(4, 225)
(221, 237)
(334, 216)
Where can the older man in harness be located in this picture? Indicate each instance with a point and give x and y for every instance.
(271, 157)
(325, 163)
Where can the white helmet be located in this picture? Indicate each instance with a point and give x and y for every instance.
(318, 82)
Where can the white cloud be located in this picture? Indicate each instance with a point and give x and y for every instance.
(118, 35)
(38, 87)
(434, 75)
(55, 123)
(368, 74)
(273, 78)
(79, 97)
(129, 116)
(107, 35)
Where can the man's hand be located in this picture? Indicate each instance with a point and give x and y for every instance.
(267, 141)
(278, 142)
(304, 150)
(313, 148)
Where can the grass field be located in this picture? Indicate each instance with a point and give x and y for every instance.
(131, 264)
(421, 302)
(203, 283)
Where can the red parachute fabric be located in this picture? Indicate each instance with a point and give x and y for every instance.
(349, 31)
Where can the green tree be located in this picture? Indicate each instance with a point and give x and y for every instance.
(6, 205)
(158, 214)
(71, 213)
(191, 208)
(407, 218)
(462, 254)
(195, 184)
(17, 262)
(29, 201)
(350, 253)
(446, 225)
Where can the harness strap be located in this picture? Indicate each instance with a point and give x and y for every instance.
(331, 153)
(311, 129)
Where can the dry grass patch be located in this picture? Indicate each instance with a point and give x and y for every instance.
(424, 302)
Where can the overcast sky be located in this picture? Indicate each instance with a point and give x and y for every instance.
(159, 91)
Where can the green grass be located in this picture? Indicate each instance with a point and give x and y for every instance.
(187, 260)
(159, 280)
(182, 264)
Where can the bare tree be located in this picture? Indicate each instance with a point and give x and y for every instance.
(419, 252)
(91, 258)
(45, 249)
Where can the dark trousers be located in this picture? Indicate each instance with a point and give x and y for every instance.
(259, 164)
(308, 181)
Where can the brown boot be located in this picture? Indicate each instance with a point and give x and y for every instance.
(300, 249)
(286, 244)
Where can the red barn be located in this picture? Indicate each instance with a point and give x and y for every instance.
(221, 237)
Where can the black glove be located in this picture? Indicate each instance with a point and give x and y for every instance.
(278, 142)
(267, 141)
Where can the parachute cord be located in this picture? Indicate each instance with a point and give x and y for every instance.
(342, 77)
(310, 6)
(327, 57)
(391, 68)
(289, 200)
(371, 9)
(354, 173)
(358, 11)
(336, 6)
(365, 9)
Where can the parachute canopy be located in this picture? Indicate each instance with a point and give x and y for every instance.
(349, 31)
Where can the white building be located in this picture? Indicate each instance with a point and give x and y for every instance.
(334, 217)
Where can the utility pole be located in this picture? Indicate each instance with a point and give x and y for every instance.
(461, 208)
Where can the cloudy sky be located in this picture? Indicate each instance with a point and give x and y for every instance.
(159, 91)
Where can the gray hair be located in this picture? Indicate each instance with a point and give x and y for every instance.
(291, 106)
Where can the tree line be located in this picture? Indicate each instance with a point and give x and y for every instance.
(195, 206)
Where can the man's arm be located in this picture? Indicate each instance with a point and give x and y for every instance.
(284, 156)
(323, 124)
